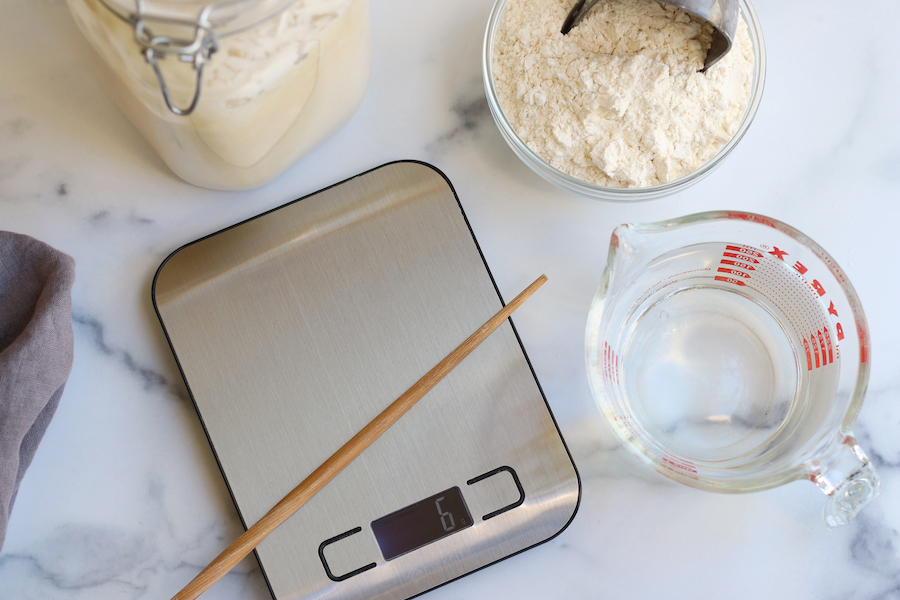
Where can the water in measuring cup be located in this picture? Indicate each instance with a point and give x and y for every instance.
(714, 371)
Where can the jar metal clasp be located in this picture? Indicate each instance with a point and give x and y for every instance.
(196, 50)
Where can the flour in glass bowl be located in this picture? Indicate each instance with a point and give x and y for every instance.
(619, 101)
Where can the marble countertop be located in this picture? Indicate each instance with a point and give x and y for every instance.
(124, 499)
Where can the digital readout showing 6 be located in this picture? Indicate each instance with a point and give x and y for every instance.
(421, 523)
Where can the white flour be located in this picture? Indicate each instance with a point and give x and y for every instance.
(618, 101)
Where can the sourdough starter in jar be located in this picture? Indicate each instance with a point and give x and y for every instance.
(272, 91)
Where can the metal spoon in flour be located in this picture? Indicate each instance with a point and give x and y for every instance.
(723, 15)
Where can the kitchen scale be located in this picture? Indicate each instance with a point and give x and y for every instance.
(295, 328)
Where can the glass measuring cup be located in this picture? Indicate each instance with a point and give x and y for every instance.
(730, 353)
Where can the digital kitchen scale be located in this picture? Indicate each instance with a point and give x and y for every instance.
(295, 328)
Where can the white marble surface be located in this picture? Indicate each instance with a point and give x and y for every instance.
(124, 499)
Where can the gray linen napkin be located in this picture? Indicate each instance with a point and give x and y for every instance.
(36, 346)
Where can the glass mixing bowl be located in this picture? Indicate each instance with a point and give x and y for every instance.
(568, 182)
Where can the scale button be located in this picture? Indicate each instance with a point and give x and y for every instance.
(497, 488)
(338, 563)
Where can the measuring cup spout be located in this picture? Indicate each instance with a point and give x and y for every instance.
(620, 256)
(628, 243)
(849, 480)
(633, 247)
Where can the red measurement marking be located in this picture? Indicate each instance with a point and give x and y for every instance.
(800, 268)
(730, 280)
(734, 272)
(741, 256)
(831, 309)
(818, 287)
(610, 365)
(815, 346)
(613, 359)
(744, 250)
(625, 421)
(606, 352)
(808, 355)
(779, 254)
(822, 346)
(607, 364)
(682, 465)
(603, 361)
(830, 349)
(752, 218)
(735, 263)
(840, 331)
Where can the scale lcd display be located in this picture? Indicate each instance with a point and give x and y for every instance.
(421, 523)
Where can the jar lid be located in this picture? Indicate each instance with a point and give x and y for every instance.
(224, 16)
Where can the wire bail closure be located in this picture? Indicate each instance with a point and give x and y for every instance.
(196, 51)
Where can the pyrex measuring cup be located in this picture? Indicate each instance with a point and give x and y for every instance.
(730, 353)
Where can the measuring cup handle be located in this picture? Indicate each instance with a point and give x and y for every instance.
(849, 480)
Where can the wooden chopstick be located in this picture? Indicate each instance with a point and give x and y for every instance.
(343, 457)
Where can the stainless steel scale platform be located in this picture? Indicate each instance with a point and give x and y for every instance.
(295, 328)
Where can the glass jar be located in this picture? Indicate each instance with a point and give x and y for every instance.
(231, 93)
